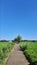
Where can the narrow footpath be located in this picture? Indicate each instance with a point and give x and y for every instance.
(17, 57)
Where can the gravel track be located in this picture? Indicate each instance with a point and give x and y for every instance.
(17, 57)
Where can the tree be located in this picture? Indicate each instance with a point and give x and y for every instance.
(17, 39)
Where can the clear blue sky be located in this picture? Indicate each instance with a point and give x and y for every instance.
(18, 17)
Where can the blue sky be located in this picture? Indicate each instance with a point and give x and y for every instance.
(18, 17)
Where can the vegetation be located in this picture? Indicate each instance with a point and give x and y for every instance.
(5, 48)
(4, 40)
(30, 50)
(17, 39)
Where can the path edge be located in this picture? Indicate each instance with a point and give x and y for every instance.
(6, 60)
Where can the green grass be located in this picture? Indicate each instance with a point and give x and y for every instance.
(5, 48)
(30, 50)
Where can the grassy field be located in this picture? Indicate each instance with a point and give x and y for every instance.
(5, 48)
(30, 50)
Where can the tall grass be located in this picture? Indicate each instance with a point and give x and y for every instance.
(30, 50)
(5, 48)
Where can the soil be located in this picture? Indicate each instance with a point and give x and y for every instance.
(17, 57)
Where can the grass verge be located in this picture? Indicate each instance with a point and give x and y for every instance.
(30, 50)
(5, 48)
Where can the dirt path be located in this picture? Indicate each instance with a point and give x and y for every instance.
(17, 57)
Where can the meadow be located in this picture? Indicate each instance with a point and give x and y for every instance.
(5, 48)
(30, 51)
